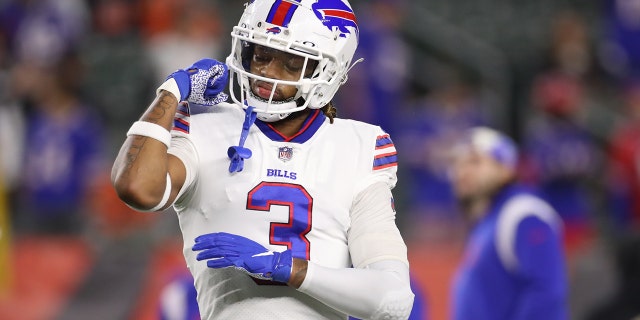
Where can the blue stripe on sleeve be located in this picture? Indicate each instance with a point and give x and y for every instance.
(385, 161)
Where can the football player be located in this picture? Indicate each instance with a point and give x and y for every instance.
(286, 211)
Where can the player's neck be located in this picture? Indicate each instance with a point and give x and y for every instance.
(292, 124)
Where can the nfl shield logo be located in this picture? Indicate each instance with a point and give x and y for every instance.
(285, 153)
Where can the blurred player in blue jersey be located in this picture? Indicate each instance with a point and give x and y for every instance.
(514, 266)
(286, 211)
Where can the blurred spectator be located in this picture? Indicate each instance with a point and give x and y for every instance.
(561, 156)
(63, 152)
(196, 35)
(514, 265)
(42, 31)
(570, 50)
(560, 151)
(11, 129)
(620, 48)
(428, 128)
(118, 73)
(377, 86)
(624, 160)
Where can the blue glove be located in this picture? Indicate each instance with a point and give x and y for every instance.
(202, 83)
(223, 250)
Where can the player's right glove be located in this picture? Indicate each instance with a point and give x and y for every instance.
(201, 83)
(224, 250)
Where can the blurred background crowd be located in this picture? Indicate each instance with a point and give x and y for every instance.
(562, 77)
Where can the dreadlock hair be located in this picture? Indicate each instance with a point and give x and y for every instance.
(330, 111)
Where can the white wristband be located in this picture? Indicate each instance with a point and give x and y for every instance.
(151, 130)
(172, 86)
(165, 196)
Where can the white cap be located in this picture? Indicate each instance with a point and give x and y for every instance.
(494, 144)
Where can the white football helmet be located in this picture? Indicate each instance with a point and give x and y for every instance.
(322, 30)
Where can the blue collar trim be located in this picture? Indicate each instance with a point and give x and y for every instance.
(313, 122)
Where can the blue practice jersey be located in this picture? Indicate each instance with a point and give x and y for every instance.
(513, 268)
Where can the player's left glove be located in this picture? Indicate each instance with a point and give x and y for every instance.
(224, 250)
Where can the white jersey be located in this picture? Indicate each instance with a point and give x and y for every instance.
(294, 192)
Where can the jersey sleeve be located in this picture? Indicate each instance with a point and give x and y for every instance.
(182, 120)
(380, 291)
(374, 235)
(183, 148)
(384, 161)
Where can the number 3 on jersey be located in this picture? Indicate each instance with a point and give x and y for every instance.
(292, 233)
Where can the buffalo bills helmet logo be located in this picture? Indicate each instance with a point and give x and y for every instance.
(335, 14)
(274, 30)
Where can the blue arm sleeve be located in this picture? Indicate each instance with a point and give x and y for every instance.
(541, 267)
